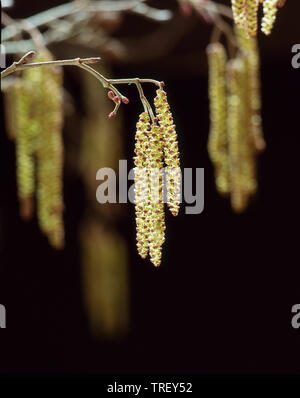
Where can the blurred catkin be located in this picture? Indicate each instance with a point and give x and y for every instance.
(217, 142)
(241, 151)
(249, 49)
(26, 130)
(35, 119)
(235, 136)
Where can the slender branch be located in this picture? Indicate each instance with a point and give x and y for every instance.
(21, 65)
(83, 63)
(147, 106)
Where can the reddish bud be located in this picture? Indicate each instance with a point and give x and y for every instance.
(125, 100)
(111, 95)
(111, 115)
(116, 99)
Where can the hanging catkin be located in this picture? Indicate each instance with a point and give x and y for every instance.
(36, 103)
(156, 144)
(171, 152)
(245, 14)
(26, 130)
(238, 9)
(157, 226)
(251, 8)
(217, 142)
(249, 49)
(143, 208)
(241, 151)
(50, 153)
(270, 11)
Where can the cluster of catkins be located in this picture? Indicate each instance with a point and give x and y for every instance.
(235, 136)
(34, 120)
(245, 14)
(156, 145)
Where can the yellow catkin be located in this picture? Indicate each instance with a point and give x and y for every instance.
(155, 165)
(171, 151)
(143, 210)
(26, 132)
(241, 150)
(49, 149)
(217, 141)
(149, 205)
(238, 200)
(238, 9)
(245, 14)
(156, 145)
(270, 11)
(10, 98)
(249, 49)
(251, 8)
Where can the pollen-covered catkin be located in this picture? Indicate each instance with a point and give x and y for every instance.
(235, 131)
(26, 130)
(245, 14)
(241, 150)
(50, 152)
(217, 141)
(143, 210)
(270, 11)
(149, 204)
(157, 226)
(251, 8)
(170, 149)
(10, 98)
(238, 9)
(249, 49)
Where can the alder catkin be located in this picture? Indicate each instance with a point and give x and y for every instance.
(235, 131)
(270, 11)
(170, 149)
(238, 9)
(245, 14)
(251, 8)
(242, 159)
(26, 130)
(217, 141)
(50, 153)
(143, 210)
(249, 49)
(157, 226)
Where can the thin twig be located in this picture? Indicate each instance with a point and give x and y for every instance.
(21, 65)
(83, 63)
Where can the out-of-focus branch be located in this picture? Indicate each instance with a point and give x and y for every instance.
(87, 10)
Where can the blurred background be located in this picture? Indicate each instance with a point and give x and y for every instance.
(221, 300)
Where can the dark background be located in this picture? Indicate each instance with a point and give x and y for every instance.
(221, 301)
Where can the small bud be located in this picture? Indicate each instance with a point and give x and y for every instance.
(111, 95)
(125, 100)
(112, 115)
